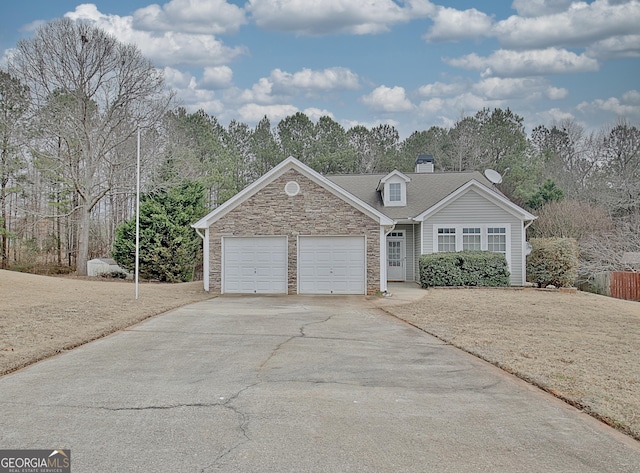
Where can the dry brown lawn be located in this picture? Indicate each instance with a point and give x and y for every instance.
(42, 315)
(581, 347)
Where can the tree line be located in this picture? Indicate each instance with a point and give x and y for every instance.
(73, 98)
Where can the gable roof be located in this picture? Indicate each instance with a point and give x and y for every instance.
(426, 192)
(286, 165)
(495, 197)
(393, 173)
(423, 191)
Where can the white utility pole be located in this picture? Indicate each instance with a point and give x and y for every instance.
(138, 214)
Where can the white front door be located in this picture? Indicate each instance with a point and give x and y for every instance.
(396, 256)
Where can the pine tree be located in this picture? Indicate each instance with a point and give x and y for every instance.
(169, 247)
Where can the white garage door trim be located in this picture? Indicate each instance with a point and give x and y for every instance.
(332, 264)
(254, 265)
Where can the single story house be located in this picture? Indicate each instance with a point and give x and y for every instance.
(295, 231)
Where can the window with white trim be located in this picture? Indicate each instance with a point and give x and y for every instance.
(446, 239)
(395, 192)
(497, 239)
(490, 237)
(471, 239)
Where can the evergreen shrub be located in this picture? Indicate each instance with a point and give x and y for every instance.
(466, 268)
(553, 261)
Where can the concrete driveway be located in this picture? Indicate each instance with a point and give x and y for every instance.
(294, 384)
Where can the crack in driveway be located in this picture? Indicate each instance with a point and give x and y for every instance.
(277, 348)
(244, 417)
(242, 426)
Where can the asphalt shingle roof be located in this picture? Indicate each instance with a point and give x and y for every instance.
(423, 191)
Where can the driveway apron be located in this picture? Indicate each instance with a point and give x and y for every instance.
(294, 384)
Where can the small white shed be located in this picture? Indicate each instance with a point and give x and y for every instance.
(98, 266)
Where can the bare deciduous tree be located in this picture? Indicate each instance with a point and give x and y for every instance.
(605, 252)
(621, 170)
(14, 102)
(96, 92)
(571, 219)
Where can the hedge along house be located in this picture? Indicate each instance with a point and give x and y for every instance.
(294, 231)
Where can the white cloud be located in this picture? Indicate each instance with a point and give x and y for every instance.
(450, 24)
(554, 115)
(177, 79)
(253, 113)
(192, 97)
(347, 124)
(191, 16)
(555, 93)
(613, 105)
(618, 47)
(198, 101)
(580, 25)
(518, 88)
(447, 103)
(6, 57)
(318, 17)
(385, 99)
(260, 92)
(433, 105)
(526, 63)
(446, 112)
(530, 8)
(33, 26)
(168, 48)
(219, 77)
(632, 96)
(336, 78)
(281, 86)
(439, 89)
(315, 114)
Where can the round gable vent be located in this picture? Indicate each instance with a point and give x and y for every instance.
(292, 188)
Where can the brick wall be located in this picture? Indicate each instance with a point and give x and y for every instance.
(313, 211)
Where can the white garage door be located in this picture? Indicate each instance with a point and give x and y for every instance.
(255, 265)
(331, 265)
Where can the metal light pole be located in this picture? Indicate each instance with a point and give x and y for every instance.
(137, 214)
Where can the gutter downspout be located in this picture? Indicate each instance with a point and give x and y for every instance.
(524, 255)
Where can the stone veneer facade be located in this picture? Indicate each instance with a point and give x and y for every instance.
(314, 211)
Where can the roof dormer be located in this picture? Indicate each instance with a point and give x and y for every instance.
(393, 188)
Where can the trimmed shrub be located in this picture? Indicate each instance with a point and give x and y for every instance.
(553, 261)
(467, 268)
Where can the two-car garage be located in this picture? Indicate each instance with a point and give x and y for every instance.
(294, 231)
(326, 265)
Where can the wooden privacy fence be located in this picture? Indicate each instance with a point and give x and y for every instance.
(625, 285)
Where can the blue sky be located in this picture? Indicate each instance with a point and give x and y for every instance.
(411, 64)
